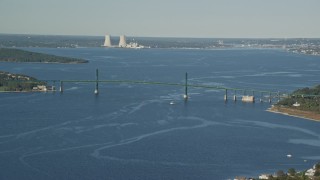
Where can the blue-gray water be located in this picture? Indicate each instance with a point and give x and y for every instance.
(133, 132)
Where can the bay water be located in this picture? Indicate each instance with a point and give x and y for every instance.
(135, 131)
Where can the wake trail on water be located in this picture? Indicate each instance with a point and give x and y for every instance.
(204, 123)
(131, 108)
(23, 158)
(125, 110)
(310, 142)
(272, 125)
(96, 153)
(34, 131)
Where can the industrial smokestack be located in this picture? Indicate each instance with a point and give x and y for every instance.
(122, 42)
(107, 41)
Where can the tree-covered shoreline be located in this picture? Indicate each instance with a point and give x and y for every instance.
(303, 103)
(10, 82)
(306, 99)
(18, 55)
(308, 174)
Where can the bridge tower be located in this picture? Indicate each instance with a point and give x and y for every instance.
(61, 86)
(96, 91)
(185, 96)
(226, 95)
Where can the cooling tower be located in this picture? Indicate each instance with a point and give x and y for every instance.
(107, 41)
(122, 42)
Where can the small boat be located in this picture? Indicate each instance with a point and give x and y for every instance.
(172, 103)
(289, 155)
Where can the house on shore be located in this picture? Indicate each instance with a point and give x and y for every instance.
(43, 88)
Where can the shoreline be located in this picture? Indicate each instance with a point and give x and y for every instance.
(34, 62)
(308, 115)
(25, 91)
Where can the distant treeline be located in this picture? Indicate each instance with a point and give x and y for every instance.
(308, 98)
(18, 55)
(55, 41)
(17, 82)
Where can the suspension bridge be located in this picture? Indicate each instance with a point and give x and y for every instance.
(247, 95)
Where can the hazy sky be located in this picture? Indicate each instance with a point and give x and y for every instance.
(163, 18)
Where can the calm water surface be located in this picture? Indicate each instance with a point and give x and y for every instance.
(132, 131)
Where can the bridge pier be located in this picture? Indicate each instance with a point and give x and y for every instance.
(235, 96)
(185, 96)
(226, 95)
(61, 86)
(270, 97)
(54, 87)
(253, 97)
(96, 91)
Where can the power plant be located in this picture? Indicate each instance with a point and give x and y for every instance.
(107, 41)
(122, 43)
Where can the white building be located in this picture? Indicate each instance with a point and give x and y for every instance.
(264, 176)
(296, 104)
(40, 88)
(310, 172)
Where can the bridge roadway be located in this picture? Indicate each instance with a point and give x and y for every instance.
(166, 84)
(186, 85)
(271, 94)
(251, 92)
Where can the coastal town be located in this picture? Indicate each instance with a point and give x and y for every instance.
(307, 46)
(312, 173)
(308, 50)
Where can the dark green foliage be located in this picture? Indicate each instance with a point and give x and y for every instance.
(311, 91)
(280, 174)
(293, 175)
(17, 82)
(317, 173)
(308, 98)
(291, 171)
(17, 55)
(286, 102)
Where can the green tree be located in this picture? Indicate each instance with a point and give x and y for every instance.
(280, 174)
(292, 172)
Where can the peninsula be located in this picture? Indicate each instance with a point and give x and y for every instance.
(304, 103)
(18, 55)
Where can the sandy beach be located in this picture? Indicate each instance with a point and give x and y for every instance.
(295, 113)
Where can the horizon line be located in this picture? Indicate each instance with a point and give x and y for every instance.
(186, 37)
